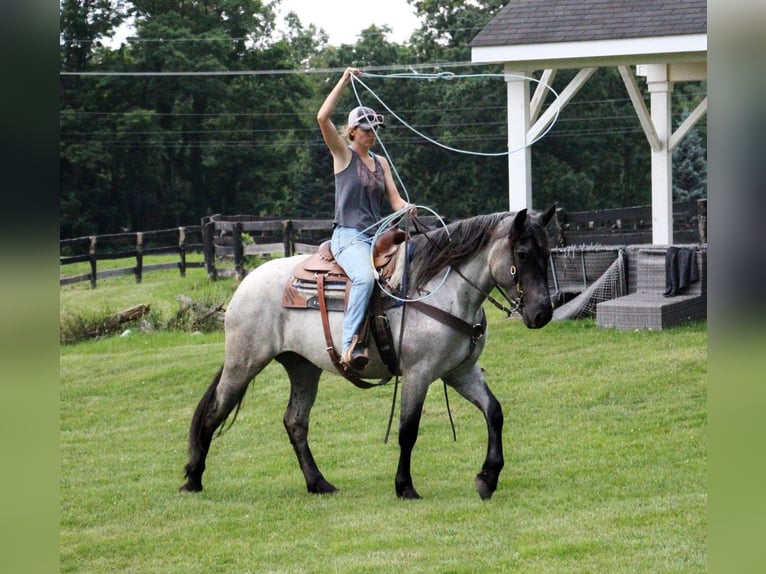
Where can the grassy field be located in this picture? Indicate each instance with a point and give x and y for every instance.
(605, 440)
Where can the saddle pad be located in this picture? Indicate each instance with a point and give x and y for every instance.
(303, 294)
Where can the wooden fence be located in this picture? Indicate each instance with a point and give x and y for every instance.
(229, 239)
(631, 225)
(226, 241)
(95, 248)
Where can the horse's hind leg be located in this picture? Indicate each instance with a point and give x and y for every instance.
(473, 387)
(225, 392)
(304, 383)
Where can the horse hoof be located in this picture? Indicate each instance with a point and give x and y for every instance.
(322, 487)
(190, 487)
(408, 493)
(484, 490)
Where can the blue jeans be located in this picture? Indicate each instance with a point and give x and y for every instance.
(352, 250)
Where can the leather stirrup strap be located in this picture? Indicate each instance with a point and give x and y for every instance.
(334, 357)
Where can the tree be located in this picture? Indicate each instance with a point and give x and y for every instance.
(159, 151)
(162, 151)
(596, 155)
(83, 25)
(690, 168)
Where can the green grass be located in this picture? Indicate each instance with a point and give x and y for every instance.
(605, 444)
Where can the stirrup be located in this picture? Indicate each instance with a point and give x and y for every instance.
(356, 355)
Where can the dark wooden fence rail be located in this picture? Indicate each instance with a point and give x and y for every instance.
(631, 225)
(227, 240)
(94, 248)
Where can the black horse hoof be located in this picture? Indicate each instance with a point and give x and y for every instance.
(408, 493)
(485, 490)
(191, 486)
(322, 487)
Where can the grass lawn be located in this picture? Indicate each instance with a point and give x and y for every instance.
(605, 444)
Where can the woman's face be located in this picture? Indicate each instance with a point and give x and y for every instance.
(364, 136)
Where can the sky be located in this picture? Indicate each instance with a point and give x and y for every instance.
(343, 20)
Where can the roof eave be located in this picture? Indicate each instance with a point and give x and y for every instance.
(661, 49)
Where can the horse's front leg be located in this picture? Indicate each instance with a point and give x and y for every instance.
(473, 387)
(413, 397)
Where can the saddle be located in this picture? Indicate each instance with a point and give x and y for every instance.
(301, 290)
(319, 282)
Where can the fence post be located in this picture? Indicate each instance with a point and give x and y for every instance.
(558, 221)
(702, 219)
(92, 259)
(287, 235)
(139, 269)
(208, 247)
(182, 250)
(239, 251)
(561, 225)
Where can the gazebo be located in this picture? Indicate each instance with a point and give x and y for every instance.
(664, 41)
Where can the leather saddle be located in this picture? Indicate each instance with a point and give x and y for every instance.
(301, 291)
(319, 282)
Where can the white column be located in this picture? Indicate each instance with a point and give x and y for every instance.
(662, 159)
(520, 160)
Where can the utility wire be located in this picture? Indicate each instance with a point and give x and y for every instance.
(290, 72)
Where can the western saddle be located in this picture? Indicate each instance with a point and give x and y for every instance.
(319, 282)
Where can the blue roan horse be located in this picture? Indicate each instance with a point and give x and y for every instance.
(483, 252)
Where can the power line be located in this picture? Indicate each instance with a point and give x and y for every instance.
(71, 111)
(289, 72)
(288, 143)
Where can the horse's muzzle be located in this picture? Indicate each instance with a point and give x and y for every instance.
(538, 317)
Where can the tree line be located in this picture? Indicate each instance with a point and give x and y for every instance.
(140, 152)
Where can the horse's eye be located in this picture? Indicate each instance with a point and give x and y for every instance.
(522, 256)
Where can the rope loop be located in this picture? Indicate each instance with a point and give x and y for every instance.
(395, 217)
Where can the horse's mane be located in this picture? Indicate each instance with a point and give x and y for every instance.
(435, 250)
(431, 252)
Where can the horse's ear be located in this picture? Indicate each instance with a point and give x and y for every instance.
(518, 222)
(546, 218)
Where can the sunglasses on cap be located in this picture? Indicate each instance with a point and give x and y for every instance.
(365, 118)
(371, 119)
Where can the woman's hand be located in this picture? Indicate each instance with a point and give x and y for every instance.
(348, 72)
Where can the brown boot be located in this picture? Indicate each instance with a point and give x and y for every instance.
(356, 355)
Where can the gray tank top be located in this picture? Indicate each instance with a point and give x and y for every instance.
(359, 194)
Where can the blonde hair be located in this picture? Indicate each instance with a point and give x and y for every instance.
(345, 133)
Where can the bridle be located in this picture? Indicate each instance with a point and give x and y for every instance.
(515, 304)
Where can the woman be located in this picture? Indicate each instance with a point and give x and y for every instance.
(362, 181)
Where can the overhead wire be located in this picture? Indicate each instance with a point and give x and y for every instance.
(583, 131)
(285, 72)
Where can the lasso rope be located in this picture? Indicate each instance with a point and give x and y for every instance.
(395, 217)
(390, 221)
(452, 76)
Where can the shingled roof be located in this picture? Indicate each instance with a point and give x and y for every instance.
(550, 21)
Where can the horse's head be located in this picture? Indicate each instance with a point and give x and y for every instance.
(519, 262)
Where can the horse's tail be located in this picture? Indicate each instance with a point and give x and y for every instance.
(199, 439)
